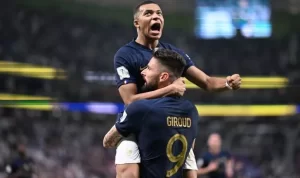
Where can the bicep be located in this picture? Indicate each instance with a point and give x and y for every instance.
(197, 76)
(127, 91)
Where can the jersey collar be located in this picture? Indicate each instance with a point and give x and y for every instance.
(142, 46)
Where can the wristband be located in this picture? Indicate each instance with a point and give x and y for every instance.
(228, 86)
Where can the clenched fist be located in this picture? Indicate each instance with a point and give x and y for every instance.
(234, 81)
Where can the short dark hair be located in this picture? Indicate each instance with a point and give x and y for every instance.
(137, 8)
(173, 61)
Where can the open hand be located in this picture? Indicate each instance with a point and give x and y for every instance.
(213, 166)
(179, 86)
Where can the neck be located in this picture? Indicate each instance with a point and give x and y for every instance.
(164, 84)
(214, 151)
(150, 43)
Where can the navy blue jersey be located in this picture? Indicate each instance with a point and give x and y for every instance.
(132, 58)
(221, 158)
(21, 166)
(165, 129)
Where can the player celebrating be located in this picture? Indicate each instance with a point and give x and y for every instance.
(216, 163)
(166, 127)
(134, 56)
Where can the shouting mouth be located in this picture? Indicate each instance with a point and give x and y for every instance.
(155, 28)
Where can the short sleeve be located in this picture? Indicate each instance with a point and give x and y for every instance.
(124, 68)
(227, 154)
(132, 119)
(203, 161)
(187, 58)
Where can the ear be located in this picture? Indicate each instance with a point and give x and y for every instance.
(164, 76)
(136, 23)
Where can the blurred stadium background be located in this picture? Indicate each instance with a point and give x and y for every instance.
(58, 96)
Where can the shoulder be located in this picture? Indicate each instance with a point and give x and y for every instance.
(189, 105)
(125, 50)
(207, 156)
(123, 59)
(139, 106)
(225, 153)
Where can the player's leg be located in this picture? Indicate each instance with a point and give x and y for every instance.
(190, 166)
(127, 170)
(127, 158)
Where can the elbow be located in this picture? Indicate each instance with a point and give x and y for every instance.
(199, 173)
(106, 143)
(129, 100)
(208, 84)
(203, 82)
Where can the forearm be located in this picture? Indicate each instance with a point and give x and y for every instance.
(152, 94)
(112, 138)
(216, 84)
(204, 81)
(190, 173)
(202, 171)
(229, 168)
(229, 173)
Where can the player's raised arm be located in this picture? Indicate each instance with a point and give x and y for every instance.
(202, 80)
(208, 83)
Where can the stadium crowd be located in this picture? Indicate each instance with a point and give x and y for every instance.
(85, 50)
(68, 148)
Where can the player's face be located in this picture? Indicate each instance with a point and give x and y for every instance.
(214, 142)
(150, 21)
(153, 75)
(21, 149)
